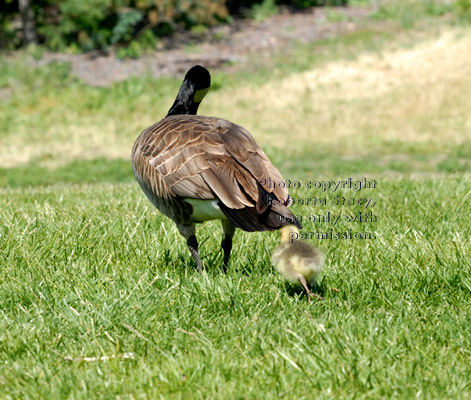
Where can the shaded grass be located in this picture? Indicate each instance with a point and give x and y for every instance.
(92, 270)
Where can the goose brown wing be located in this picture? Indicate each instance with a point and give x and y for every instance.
(169, 156)
(240, 144)
(205, 158)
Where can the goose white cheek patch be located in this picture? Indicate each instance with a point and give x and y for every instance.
(199, 95)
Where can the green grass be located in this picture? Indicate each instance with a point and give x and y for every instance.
(89, 269)
(92, 270)
(79, 171)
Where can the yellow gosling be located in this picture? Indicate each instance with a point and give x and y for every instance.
(297, 261)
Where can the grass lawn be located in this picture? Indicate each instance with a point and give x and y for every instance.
(98, 294)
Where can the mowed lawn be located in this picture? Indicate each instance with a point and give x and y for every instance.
(99, 297)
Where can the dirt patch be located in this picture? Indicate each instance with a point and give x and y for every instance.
(219, 47)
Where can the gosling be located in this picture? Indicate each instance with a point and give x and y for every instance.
(297, 261)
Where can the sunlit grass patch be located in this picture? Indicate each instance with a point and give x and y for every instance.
(57, 125)
(404, 95)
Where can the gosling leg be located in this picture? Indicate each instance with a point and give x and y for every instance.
(309, 293)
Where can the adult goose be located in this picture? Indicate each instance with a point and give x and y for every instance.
(195, 168)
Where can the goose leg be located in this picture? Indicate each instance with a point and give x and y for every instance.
(309, 293)
(192, 244)
(226, 244)
(188, 231)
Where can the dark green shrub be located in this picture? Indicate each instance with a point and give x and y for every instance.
(463, 9)
(98, 24)
(124, 28)
(131, 25)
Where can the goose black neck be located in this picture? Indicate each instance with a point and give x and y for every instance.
(184, 103)
(192, 91)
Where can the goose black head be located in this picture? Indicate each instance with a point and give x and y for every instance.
(194, 87)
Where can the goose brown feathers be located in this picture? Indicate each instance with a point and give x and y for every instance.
(202, 157)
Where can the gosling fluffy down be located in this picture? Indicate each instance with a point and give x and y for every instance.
(297, 258)
(297, 261)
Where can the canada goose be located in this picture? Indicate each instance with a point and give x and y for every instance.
(195, 168)
(297, 261)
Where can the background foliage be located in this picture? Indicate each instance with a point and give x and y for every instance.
(97, 24)
(134, 26)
